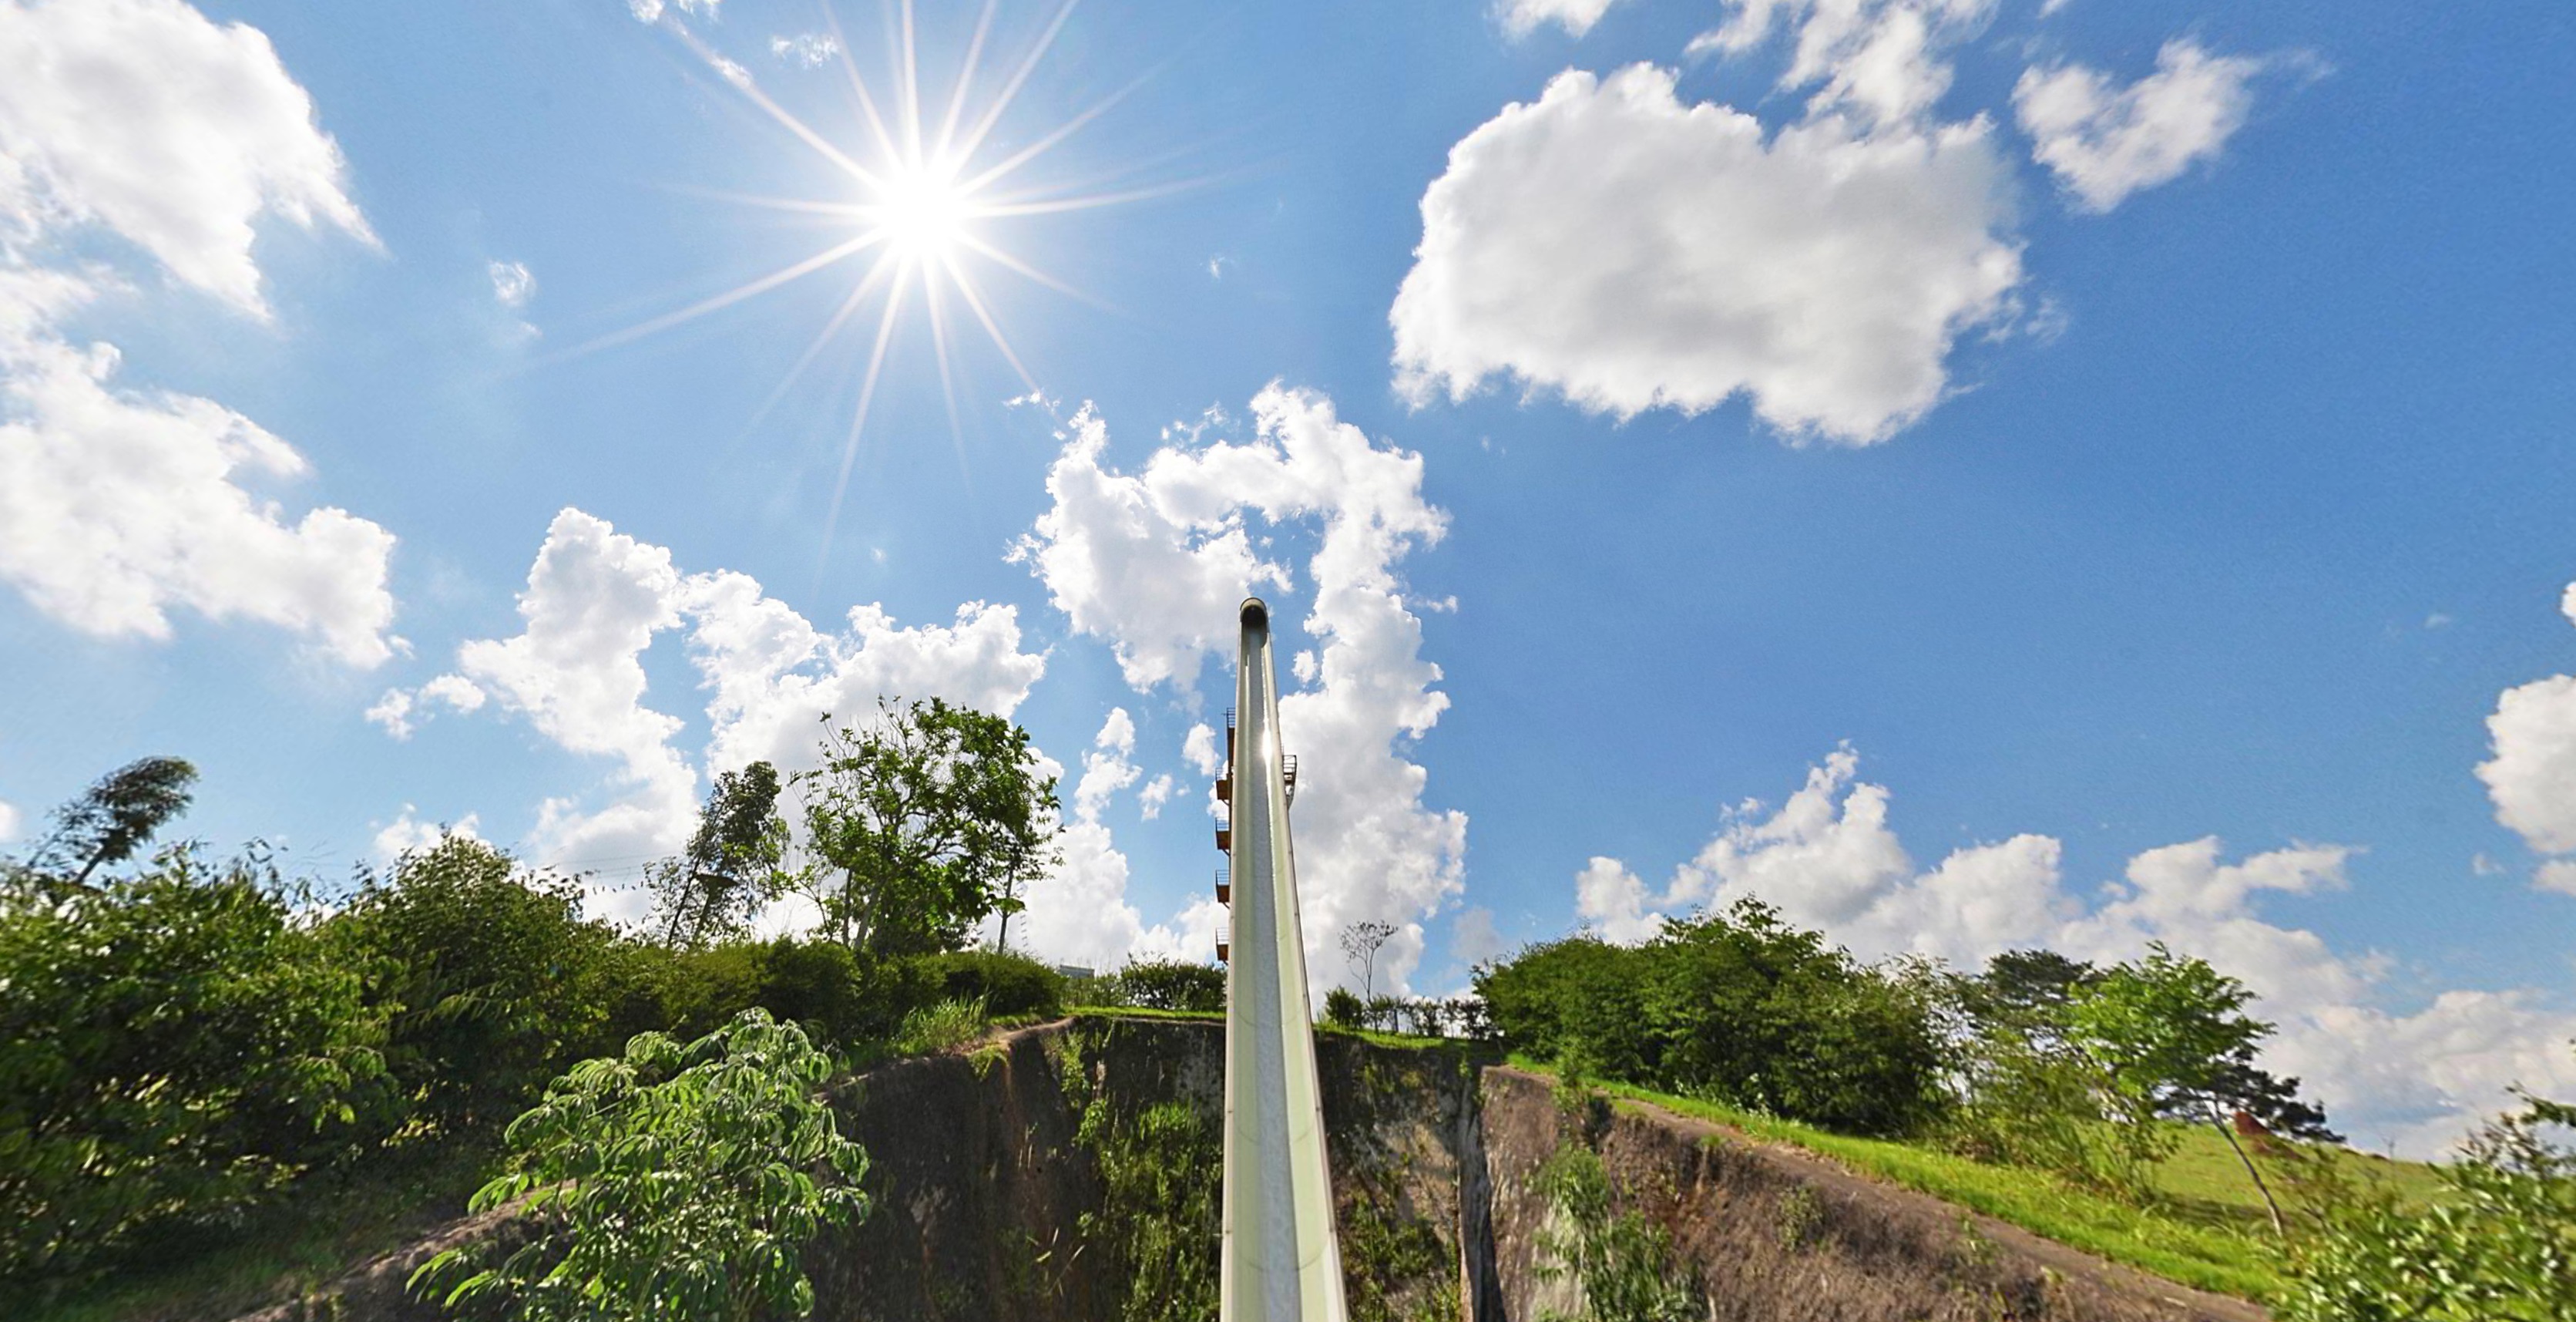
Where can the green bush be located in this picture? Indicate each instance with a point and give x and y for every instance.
(1343, 1008)
(674, 1182)
(175, 1046)
(493, 978)
(1172, 985)
(2501, 1247)
(1009, 985)
(1738, 1007)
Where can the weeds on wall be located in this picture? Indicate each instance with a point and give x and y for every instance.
(1620, 1261)
(1156, 1227)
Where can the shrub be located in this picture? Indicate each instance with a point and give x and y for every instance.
(1171, 984)
(1344, 1009)
(1008, 985)
(2497, 1249)
(674, 1182)
(174, 1047)
(493, 978)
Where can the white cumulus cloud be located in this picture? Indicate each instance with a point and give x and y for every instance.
(595, 602)
(2532, 777)
(1155, 562)
(1633, 251)
(2104, 143)
(146, 117)
(407, 834)
(118, 504)
(1827, 858)
(11, 821)
(1523, 17)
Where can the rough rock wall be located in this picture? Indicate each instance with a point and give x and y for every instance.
(976, 1185)
(981, 1186)
(1778, 1235)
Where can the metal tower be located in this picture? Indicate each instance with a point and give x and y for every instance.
(1280, 1260)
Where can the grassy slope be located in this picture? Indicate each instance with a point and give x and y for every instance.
(2208, 1231)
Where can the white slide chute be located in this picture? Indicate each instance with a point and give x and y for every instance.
(1280, 1260)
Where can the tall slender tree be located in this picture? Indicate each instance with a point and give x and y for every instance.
(112, 820)
(713, 889)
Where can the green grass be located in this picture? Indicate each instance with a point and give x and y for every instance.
(2205, 1229)
(302, 1242)
(2204, 1176)
(1141, 1012)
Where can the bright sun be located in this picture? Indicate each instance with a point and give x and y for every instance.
(922, 212)
(923, 195)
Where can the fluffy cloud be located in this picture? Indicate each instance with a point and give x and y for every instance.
(408, 834)
(11, 820)
(596, 600)
(400, 710)
(1881, 58)
(2104, 143)
(1078, 912)
(2532, 777)
(1827, 858)
(114, 508)
(1154, 564)
(1522, 17)
(1632, 251)
(143, 118)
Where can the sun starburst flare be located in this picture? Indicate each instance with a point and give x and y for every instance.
(917, 216)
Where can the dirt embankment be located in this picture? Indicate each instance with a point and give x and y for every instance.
(990, 1200)
(1776, 1234)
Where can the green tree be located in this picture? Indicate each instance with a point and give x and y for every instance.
(112, 820)
(175, 1047)
(2162, 1032)
(926, 822)
(672, 1182)
(1740, 1007)
(493, 977)
(713, 889)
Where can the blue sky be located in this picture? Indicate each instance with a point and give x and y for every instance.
(1971, 472)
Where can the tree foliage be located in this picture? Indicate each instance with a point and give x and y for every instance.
(926, 822)
(1739, 1007)
(713, 888)
(2501, 1247)
(174, 1046)
(112, 820)
(491, 974)
(671, 1182)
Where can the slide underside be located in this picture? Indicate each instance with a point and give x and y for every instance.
(1279, 1260)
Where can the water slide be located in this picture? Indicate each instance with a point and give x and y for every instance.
(1280, 1260)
